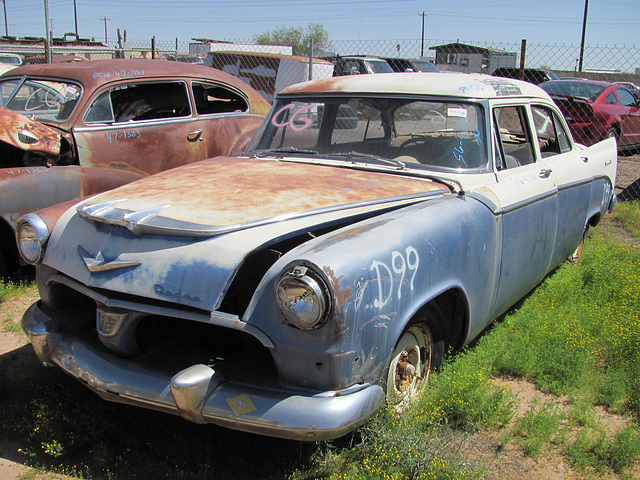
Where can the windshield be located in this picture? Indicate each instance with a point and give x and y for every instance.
(422, 134)
(424, 66)
(42, 100)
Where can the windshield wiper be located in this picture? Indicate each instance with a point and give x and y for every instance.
(368, 156)
(276, 151)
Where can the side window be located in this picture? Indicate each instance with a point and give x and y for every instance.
(139, 102)
(552, 138)
(611, 99)
(211, 98)
(100, 110)
(514, 138)
(627, 98)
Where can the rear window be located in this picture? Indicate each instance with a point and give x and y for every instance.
(566, 88)
(211, 98)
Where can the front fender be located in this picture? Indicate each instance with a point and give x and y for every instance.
(382, 271)
(28, 135)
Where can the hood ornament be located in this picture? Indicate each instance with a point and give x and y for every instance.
(99, 264)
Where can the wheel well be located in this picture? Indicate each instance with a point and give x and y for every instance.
(455, 315)
(616, 127)
(593, 221)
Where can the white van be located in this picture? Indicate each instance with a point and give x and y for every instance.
(269, 73)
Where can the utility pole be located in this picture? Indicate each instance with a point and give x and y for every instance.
(75, 16)
(105, 28)
(584, 32)
(6, 25)
(47, 43)
(422, 46)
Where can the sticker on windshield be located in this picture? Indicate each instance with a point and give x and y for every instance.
(457, 112)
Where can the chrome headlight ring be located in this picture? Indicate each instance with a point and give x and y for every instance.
(304, 297)
(32, 237)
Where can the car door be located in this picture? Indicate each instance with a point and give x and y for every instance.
(571, 174)
(528, 207)
(630, 117)
(146, 127)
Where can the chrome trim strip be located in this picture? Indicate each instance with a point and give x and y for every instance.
(98, 264)
(528, 201)
(173, 120)
(577, 183)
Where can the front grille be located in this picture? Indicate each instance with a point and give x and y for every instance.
(159, 335)
(109, 322)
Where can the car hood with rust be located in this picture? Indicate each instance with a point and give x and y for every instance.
(182, 234)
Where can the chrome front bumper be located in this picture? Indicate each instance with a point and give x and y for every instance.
(199, 393)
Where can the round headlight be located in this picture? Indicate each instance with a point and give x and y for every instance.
(32, 237)
(303, 298)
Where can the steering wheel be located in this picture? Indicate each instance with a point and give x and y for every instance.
(51, 100)
(430, 152)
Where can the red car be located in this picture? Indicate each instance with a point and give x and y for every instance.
(597, 110)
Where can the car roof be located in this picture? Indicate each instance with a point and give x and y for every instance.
(442, 84)
(94, 74)
(587, 81)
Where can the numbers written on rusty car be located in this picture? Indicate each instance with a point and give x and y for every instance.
(373, 222)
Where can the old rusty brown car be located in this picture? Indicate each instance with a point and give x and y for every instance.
(132, 117)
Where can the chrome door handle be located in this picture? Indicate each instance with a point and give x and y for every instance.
(545, 173)
(195, 136)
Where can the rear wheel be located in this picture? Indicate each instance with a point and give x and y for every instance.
(577, 253)
(418, 352)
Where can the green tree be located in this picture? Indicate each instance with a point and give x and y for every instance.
(296, 37)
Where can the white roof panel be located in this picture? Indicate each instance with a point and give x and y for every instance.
(423, 83)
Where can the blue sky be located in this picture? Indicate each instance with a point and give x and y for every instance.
(610, 22)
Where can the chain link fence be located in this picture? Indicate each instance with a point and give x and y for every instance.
(271, 68)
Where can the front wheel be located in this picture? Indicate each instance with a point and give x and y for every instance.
(612, 133)
(411, 364)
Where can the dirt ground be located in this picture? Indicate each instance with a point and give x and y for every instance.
(485, 447)
(628, 177)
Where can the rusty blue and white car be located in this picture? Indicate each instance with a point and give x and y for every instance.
(373, 222)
